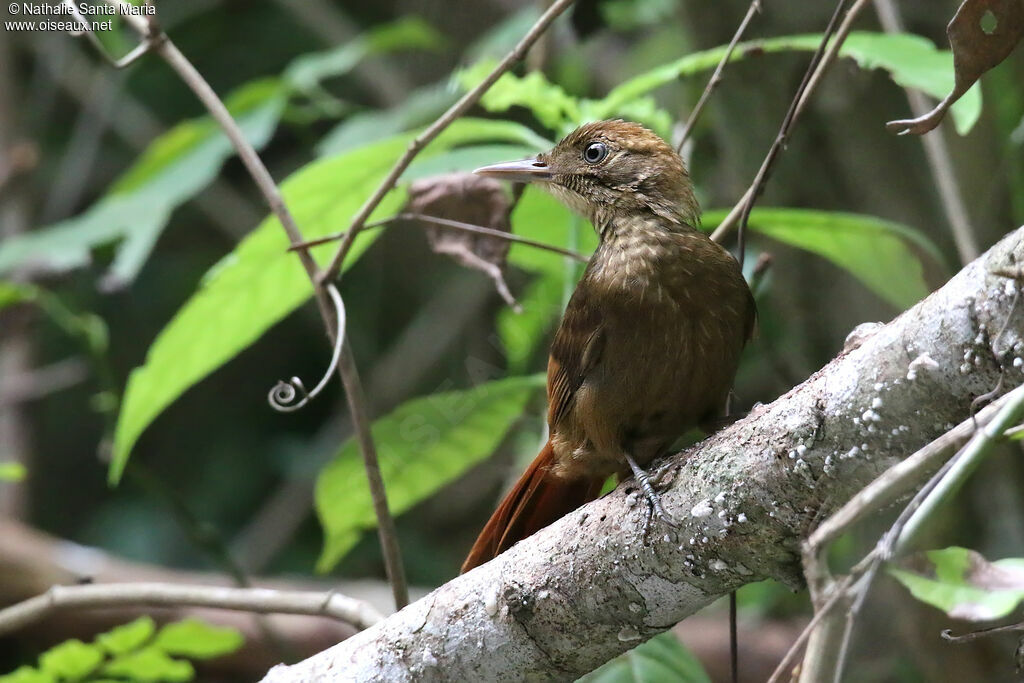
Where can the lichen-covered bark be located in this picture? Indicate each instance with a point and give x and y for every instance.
(588, 588)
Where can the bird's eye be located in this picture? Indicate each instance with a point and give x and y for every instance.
(595, 152)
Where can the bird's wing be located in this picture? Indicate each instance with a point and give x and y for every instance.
(575, 352)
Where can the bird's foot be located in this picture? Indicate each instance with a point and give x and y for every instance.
(643, 479)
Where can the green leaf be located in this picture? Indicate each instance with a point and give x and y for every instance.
(877, 252)
(306, 72)
(552, 106)
(175, 167)
(540, 217)
(150, 664)
(127, 637)
(12, 471)
(419, 108)
(644, 110)
(662, 658)
(197, 640)
(424, 444)
(965, 585)
(520, 333)
(259, 283)
(26, 674)
(71, 660)
(465, 159)
(912, 61)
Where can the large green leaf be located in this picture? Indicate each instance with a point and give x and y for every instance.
(911, 60)
(965, 585)
(662, 658)
(176, 166)
(424, 444)
(540, 217)
(259, 282)
(419, 108)
(879, 253)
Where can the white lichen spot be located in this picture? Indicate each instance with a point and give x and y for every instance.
(1009, 288)
(720, 497)
(543, 595)
(879, 386)
(702, 509)
(1018, 361)
(429, 660)
(741, 518)
(801, 449)
(491, 603)
(635, 608)
(876, 403)
(922, 362)
(870, 416)
(628, 634)
(718, 566)
(965, 368)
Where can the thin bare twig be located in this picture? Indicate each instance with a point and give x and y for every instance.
(784, 130)
(448, 223)
(947, 634)
(936, 150)
(283, 393)
(158, 42)
(435, 129)
(258, 600)
(1010, 413)
(973, 437)
(789, 659)
(716, 77)
(819, 65)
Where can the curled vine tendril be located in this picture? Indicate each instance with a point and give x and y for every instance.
(283, 395)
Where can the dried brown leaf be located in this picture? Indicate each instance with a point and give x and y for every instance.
(982, 34)
(470, 199)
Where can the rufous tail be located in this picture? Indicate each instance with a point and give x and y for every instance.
(537, 500)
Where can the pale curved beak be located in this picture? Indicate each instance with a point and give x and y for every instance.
(525, 171)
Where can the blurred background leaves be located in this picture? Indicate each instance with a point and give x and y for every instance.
(139, 243)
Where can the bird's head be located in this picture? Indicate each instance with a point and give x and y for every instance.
(611, 170)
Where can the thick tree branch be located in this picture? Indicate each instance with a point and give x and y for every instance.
(587, 588)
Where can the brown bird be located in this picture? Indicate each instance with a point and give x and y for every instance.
(650, 341)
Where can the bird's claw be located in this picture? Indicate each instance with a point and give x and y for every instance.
(643, 479)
